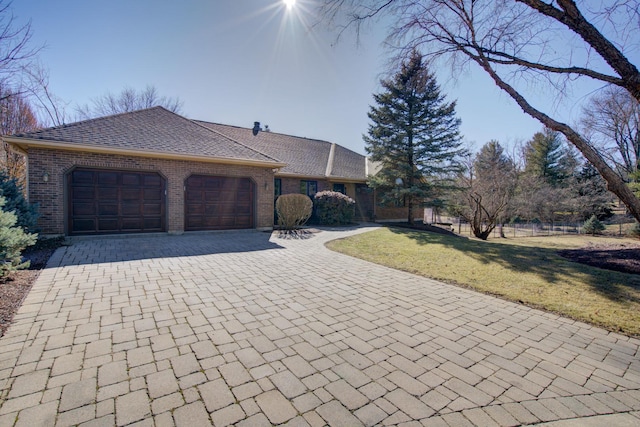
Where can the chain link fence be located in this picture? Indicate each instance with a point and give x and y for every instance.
(619, 226)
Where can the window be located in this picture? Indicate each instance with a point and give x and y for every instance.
(277, 187)
(339, 188)
(310, 188)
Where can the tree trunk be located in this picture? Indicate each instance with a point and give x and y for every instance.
(410, 213)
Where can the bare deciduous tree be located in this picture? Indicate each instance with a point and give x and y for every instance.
(612, 122)
(128, 99)
(519, 39)
(16, 115)
(486, 189)
(16, 53)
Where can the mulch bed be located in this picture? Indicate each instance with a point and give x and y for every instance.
(14, 289)
(617, 257)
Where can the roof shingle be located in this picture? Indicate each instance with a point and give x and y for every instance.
(154, 130)
(303, 156)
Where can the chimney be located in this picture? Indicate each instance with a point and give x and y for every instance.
(256, 128)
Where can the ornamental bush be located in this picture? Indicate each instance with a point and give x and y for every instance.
(13, 240)
(333, 208)
(26, 214)
(593, 226)
(293, 210)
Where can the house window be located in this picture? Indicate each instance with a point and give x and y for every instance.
(277, 187)
(339, 188)
(310, 188)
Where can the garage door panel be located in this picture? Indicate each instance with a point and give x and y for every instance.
(108, 209)
(210, 196)
(108, 224)
(84, 225)
(115, 202)
(107, 178)
(82, 177)
(107, 193)
(130, 209)
(131, 180)
(84, 208)
(217, 203)
(130, 194)
(149, 194)
(151, 209)
(152, 181)
(84, 193)
(131, 224)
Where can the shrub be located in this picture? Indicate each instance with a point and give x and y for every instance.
(27, 215)
(634, 231)
(333, 208)
(593, 226)
(293, 210)
(13, 240)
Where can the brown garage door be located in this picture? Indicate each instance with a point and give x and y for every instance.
(218, 203)
(102, 202)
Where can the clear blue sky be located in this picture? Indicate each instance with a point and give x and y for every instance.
(240, 61)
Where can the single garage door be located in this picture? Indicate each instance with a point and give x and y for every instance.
(218, 203)
(103, 202)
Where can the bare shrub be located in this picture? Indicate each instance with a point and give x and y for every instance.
(293, 210)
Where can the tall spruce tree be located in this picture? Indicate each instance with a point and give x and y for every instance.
(414, 135)
(547, 158)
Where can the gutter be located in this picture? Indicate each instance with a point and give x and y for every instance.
(24, 144)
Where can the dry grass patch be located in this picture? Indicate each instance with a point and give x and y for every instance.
(527, 270)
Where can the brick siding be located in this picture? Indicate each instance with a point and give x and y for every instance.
(51, 195)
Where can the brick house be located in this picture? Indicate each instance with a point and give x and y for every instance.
(312, 165)
(155, 171)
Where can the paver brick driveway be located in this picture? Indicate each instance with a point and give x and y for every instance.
(249, 329)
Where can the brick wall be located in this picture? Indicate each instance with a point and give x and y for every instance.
(51, 195)
(292, 186)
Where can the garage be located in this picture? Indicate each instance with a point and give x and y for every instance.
(218, 203)
(107, 202)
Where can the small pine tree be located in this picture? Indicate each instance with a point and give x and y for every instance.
(14, 201)
(593, 226)
(13, 240)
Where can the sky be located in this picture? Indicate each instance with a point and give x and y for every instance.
(240, 61)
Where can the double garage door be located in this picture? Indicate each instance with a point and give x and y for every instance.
(106, 201)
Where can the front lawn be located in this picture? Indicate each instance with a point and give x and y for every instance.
(527, 270)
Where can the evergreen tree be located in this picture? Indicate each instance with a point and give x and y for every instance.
(592, 197)
(15, 202)
(13, 240)
(544, 156)
(413, 135)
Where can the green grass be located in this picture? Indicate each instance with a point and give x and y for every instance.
(527, 270)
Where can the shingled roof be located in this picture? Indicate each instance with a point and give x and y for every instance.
(303, 156)
(153, 131)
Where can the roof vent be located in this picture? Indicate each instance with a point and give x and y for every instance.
(256, 128)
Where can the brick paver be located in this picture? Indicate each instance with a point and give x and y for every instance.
(248, 328)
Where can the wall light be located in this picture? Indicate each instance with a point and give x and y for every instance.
(45, 177)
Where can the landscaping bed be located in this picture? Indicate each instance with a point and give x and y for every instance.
(617, 257)
(14, 289)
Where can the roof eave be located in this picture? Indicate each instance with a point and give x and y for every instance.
(25, 143)
(320, 177)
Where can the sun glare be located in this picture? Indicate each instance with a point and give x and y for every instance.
(289, 3)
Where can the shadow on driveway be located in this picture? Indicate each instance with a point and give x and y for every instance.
(130, 248)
